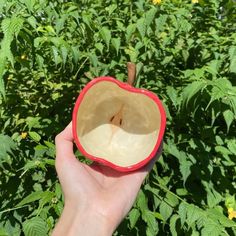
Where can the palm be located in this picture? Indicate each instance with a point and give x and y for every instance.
(110, 191)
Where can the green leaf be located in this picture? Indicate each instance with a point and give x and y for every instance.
(141, 26)
(229, 118)
(183, 212)
(165, 210)
(232, 55)
(133, 217)
(2, 71)
(221, 149)
(99, 46)
(191, 90)
(173, 220)
(214, 66)
(35, 226)
(142, 201)
(46, 198)
(35, 196)
(160, 22)
(116, 44)
(185, 168)
(193, 214)
(172, 94)
(64, 54)
(106, 35)
(218, 216)
(150, 219)
(56, 56)
(171, 199)
(167, 60)
(32, 21)
(129, 32)
(35, 136)
(158, 216)
(231, 144)
(211, 230)
(150, 15)
(6, 146)
(3, 232)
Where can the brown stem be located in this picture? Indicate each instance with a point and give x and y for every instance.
(131, 73)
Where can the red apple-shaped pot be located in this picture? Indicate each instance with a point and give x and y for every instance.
(118, 125)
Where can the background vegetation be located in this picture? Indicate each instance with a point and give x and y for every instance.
(185, 52)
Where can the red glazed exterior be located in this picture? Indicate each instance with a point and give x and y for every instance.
(129, 88)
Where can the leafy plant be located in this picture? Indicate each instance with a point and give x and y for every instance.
(185, 52)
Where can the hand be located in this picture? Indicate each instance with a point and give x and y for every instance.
(97, 197)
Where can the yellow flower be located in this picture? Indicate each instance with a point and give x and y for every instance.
(194, 1)
(156, 2)
(23, 135)
(23, 57)
(231, 213)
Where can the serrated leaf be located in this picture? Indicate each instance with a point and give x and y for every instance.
(141, 26)
(35, 196)
(232, 55)
(185, 169)
(165, 210)
(191, 90)
(229, 117)
(32, 21)
(10, 27)
(171, 199)
(99, 46)
(220, 217)
(106, 35)
(173, 220)
(130, 30)
(231, 144)
(2, 71)
(150, 219)
(160, 22)
(64, 54)
(172, 94)
(35, 226)
(183, 212)
(213, 67)
(150, 15)
(116, 44)
(142, 201)
(133, 217)
(211, 230)
(6, 146)
(35, 136)
(193, 214)
(57, 58)
(46, 198)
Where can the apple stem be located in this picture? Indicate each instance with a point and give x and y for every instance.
(131, 73)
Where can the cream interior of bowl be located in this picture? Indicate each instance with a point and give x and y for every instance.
(117, 125)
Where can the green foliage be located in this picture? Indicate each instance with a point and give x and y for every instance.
(185, 53)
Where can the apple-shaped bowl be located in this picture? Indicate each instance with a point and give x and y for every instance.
(118, 125)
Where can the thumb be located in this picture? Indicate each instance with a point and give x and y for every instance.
(64, 144)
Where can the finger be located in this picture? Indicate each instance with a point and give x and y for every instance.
(64, 143)
(147, 168)
(143, 172)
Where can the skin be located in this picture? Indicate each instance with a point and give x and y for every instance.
(97, 197)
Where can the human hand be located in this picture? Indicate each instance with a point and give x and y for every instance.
(97, 197)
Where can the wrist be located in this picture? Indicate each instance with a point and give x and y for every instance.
(75, 221)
